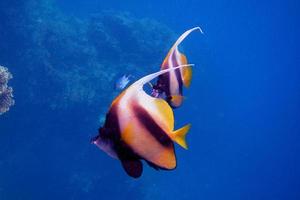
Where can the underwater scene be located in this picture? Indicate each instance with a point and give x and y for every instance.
(149, 100)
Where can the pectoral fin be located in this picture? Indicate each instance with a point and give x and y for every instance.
(164, 113)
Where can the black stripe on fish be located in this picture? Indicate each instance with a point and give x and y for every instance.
(163, 83)
(130, 160)
(152, 127)
(112, 131)
(111, 125)
(156, 131)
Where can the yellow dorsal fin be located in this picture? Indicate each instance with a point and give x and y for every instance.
(179, 136)
(164, 114)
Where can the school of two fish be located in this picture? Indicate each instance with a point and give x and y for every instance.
(139, 126)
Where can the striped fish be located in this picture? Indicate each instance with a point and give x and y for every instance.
(139, 126)
(169, 85)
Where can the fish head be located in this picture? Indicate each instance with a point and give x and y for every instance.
(104, 142)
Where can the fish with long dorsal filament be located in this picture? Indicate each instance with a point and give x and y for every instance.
(141, 127)
(169, 85)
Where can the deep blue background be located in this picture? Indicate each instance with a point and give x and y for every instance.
(244, 106)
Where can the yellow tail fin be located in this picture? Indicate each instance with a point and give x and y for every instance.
(179, 136)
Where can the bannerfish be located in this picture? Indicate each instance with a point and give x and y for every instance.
(141, 127)
(170, 84)
(122, 82)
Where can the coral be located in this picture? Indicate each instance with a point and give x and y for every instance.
(6, 96)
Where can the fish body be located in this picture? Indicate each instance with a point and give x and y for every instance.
(139, 126)
(171, 83)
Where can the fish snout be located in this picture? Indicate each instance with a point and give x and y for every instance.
(94, 139)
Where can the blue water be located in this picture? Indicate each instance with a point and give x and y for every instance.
(243, 103)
